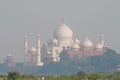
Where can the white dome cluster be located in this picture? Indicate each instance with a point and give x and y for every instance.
(62, 40)
(64, 34)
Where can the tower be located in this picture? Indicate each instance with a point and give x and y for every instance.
(25, 47)
(38, 62)
(102, 40)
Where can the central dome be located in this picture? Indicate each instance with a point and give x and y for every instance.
(63, 32)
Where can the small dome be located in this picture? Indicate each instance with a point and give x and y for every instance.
(77, 41)
(54, 41)
(25, 37)
(63, 31)
(75, 46)
(102, 36)
(98, 46)
(87, 43)
(33, 49)
(9, 55)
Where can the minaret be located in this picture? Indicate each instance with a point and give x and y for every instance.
(102, 40)
(38, 62)
(25, 47)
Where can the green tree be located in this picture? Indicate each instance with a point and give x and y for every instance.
(94, 76)
(13, 75)
(81, 74)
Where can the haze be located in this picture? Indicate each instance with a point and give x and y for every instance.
(29, 17)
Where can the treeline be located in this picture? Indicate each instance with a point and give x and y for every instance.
(108, 62)
(81, 75)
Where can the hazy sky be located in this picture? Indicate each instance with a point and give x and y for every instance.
(29, 17)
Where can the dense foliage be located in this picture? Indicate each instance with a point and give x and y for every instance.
(108, 62)
(81, 75)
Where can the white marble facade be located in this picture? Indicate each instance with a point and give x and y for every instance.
(62, 39)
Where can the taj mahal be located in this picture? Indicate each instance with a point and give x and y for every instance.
(62, 40)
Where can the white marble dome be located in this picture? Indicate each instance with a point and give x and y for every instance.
(74, 46)
(87, 43)
(77, 41)
(98, 46)
(63, 32)
(54, 41)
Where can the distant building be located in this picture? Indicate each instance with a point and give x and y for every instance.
(9, 62)
(62, 40)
